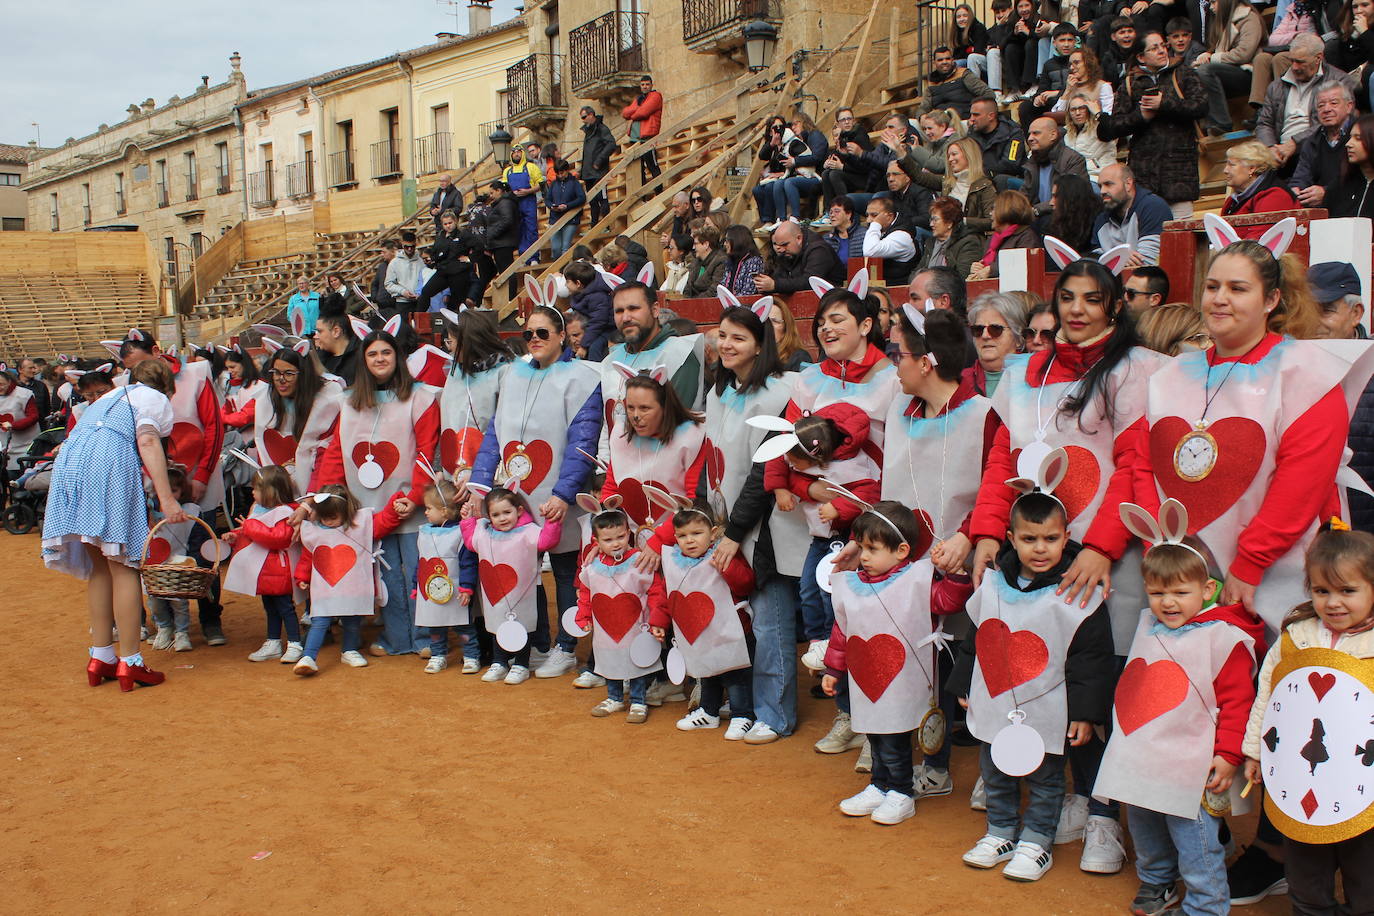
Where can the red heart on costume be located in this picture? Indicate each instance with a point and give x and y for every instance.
(431, 566)
(458, 447)
(873, 663)
(498, 580)
(691, 613)
(278, 448)
(1147, 691)
(635, 501)
(714, 465)
(610, 413)
(384, 453)
(1080, 483)
(1321, 684)
(1240, 450)
(1008, 658)
(616, 614)
(187, 444)
(158, 550)
(540, 458)
(7, 418)
(334, 562)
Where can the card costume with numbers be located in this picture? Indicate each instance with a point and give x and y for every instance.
(708, 630)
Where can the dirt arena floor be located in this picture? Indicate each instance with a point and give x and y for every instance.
(238, 788)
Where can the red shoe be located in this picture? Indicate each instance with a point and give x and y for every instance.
(142, 675)
(98, 672)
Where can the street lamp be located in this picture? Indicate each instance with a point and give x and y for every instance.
(500, 143)
(760, 40)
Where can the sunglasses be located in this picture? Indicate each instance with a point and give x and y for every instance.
(993, 330)
(531, 333)
(1044, 334)
(1132, 293)
(895, 353)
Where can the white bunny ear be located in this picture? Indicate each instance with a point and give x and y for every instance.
(534, 290)
(73, 375)
(611, 280)
(612, 502)
(776, 447)
(1279, 236)
(589, 503)
(1060, 252)
(112, 346)
(1173, 520)
(628, 371)
(819, 286)
(771, 423)
(135, 334)
(360, 328)
(245, 458)
(858, 284)
(62, 357)
(1220, 233)
(646, 274)
(844, 492)
(302, 346)
(1054, 469)
(271, 345)
(221, 348)
(1141, 523)
(1021, 484)
(659, 374)
(915, 316)
(601, 465)
(551, 293)
(298, 324)
(449, 315)
(1114, 259)
(393, 325)
(660, 497)
(727, 299)
(478, 489)
(105, 367)
(269, 330)
(762, 307)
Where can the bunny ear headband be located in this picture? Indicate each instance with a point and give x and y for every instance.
(545, 295)
(320, 498)
(780, 444)
(665, 500)
(646, 274)
(112, 346)
(596, 507)
(918, 321)
(760, 308)
(866, 506)
(269, 330)
(1171, 528)
(1114, 259)
(245, 458)
(460, 477)
(658, 373)
(1276, 238)
(451, 316)
(611, 280)
(1044, 477)
(858, 285)
(298, 324)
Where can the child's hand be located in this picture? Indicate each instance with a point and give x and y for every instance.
(303, 586)
(464, 598)
(1080, 733)
(963, 702)
(1222, 774)
(403, 507)
(787, 500)
(1253, 773)
(828, 684)
(658, 633)
(828, 512)
(229, 537)
(466, 511)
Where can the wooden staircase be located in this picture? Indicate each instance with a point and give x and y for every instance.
(70, 312)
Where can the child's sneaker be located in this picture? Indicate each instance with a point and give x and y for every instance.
(269, 650)
(518, 674)
(293, 653)
(865, 803)
(354, 659)
(497, 672)
(305, 667)
(1154, 899)
(471, 666)
(436, 664)
(638, 714)
(896, 807)
(815, 654)
(588, 679)
(559, 663)
(608, 707)
(840, 738)
(1073, 817)
(978, 798)
(1254, 876)
(182, 642)
(988, 851)
(865, 762)
(163, 640)
(931, 783)
(1029, 862)
(1103, 850)
(761, 733)
(698, 718)
(214, 634)
(738, 729)
(661, 692)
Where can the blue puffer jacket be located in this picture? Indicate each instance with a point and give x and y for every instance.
(1362, 445)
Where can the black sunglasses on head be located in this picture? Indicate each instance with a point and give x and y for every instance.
(531, 333)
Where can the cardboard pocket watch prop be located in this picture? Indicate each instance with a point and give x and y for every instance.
(825, 567)
(644, 648)
(675, 666)
(511, 635)
(570, 624)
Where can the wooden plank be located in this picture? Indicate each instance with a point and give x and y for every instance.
(847, 97)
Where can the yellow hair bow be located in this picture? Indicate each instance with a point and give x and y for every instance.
(1339, 525)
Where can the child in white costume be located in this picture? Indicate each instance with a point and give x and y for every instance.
(263, 559)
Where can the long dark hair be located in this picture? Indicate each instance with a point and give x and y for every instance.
(477, 344)
(250, 368)
(308, 385)
(675, 413)
(365, 387)
(214, 356)
(1076, 208)
(766, 364)
(740, 242)
(1119, 343)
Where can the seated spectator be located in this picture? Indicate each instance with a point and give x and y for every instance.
(701, 201)
(940, 288)
(1158, 109)
(1120, 55)
(843, 223)
(997, 322)
(681, 209)
(1042, 323)
(774, 170)
(1255, 184)
(1054, 76)
(890, 236)
(1173, 328)
(576, 328)
(797, 255)
(1291, 19)
(912, 200)
(1289, 113)
(1012, 216)
(998, 33)
(939, 128)
(591, 298)
(678, 264)
(954, 244)
(1085, 76)
(564, 195)
(966, 182)
(792, 353)
(1234, 34)
(950, 86)
(1322, 156)
(742, 261)
(635, 254)
(1002, 143)
(969, 40)
(613, 260)
(1336, 287)
(846, 169)
(707, 267)
(1074, 206)
(1146, 288)
(1019, 51)
(1080, 134)
(1183, 47)
(1049, 161)
(1124, 202)
(804, 154)
(1352, 44)
(1354, 196)
(896, 140)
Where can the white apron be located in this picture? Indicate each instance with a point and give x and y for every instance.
(929, 464)
(619, 614)
(12, 408)
(641, 460)
(533, 413)
(670, 354)
(438, 549)
(845, 472)
(386, 434)
(874, 395)
(891, 675)
(279, 446)
(466, 406)
(239, 396)
(1022, 644)
(508, 572)
(344, 579)
(1249, 414)
(707, 629)
(1164, 717)
(245, 566)
(188, 433)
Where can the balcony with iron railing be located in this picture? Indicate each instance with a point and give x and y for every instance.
(607, 56)
(716, 26)
(433, 153)
(341, 171)
(300, 179)
(534, 91)
(192, 185)
(222, 185)
(162, 198)
(484, 132)
(262, 190)
(386, 159)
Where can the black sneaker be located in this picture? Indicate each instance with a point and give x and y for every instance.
(1255, 876)
(1154, 899)
(214, 634)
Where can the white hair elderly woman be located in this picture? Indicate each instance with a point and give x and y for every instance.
(998, 324)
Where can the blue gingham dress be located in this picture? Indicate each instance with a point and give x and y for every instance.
(97, 495)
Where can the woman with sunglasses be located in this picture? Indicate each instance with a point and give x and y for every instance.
(1041, 327)
(541, 440)
(997, 324)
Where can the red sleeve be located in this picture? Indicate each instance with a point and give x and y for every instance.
(549, 535)
(739, 577)
(657, 599)
(628, 112)
(993, 509)
(207, 408)
(30, 416)
(584, 603)
(427, 444)
(949, 593)
(304, 566)
(386, 520)
(694, 470)
(71, 420)
(1305, 466)
(329, 467)
(239, 418)
(990, 427)
(278, 537)
(777, 475)
(610, 487)
(1107, 534)
(653, 104)
(835, 662)
(467, 526)
(1234, 687)
(870, 491)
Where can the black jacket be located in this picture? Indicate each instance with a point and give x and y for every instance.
(1163, 149)
(1062, 161)
(449, 252)
(637, 255)
(503, 222)
(817, 259)
(913, 204)
(378, 294)
(1004, 150)
(597, 146)
(1319, 162)
(956, 91)
(345, 365)
(1352, 197)
(447, 200)
(42, 399)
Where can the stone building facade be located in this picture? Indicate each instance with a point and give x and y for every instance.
(14, 201)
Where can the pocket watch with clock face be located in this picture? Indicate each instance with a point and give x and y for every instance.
(1196, 454)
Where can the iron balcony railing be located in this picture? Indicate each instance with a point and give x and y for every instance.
(386, 159)
(535, 82)
(702, 17)
(192, 185)
(221, 180)
(609, 44)
(484, 132)
(300, 178)
(341, 171)
(262, 190)
(433, 153)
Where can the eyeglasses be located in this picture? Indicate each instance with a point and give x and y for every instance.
(993, 330)
(1076, 108)
(285, 375)
(895, 353)
(531, 333)
(1045, 335)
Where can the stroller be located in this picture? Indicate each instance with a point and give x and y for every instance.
(24, 499)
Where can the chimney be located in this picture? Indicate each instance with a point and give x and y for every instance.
(235, 61)
(133, 111)
(479, 16)
(149, 105)
(205, 82)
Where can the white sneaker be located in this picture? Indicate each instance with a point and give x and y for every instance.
(518, 674)
(497, 672)
(1073, 817)
(293, 653)
(638, 714)
(697, 718)
(305, 667)
(163, 639)
(896, 807)
(608, 707)
(865, 803)
(931, 783)
(761, 733)
(557, 664)
(1029, 862)
(841, 736)
(865, 762)
(588, 679)
(537, 658)
(182, 642)
(978, 798)
(436, 664)
(471, 666)
(354, 659)
(814, 658)
(1103, 850)
(661, 692)
(988, 851)
(270, 649)
(738, 729)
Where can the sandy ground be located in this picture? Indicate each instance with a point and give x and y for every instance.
(384, 789)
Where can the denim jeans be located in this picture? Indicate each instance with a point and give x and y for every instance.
(399, 635)
(818, 612)
(563, 238)
(467, 637)
(171, 612)
(977, 64)
(1311, 871)
(352, 634)
(892, 769)
(1168, 848)
(787, 194)
(738, 685)
(281, 613)
(565, 593)
(763, 199)
(775, 658)
(1083, 763)
(639, 689)
(994, 80)
(1046, 788)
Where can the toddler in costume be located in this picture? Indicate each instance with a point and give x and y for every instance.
(263, 559)
(173, 615)
(441, 603)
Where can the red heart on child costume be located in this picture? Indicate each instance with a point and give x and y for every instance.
(431, 566)
(1080, 483)
(1008, 658)
(278, 448)
(874, 663)
(333, 563)
(385, 454)
(714, 465)
(616, 614)
(7, 418)
(540, 457)
(186, 445)
(159, 549)
(1240, 451)
(498, 580)
(1147, 691)
(691, 613)
(1321, 684)
(459, 447)
(635, 501)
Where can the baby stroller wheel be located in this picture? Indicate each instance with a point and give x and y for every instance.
(19, 518)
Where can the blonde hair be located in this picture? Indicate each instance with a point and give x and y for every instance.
(610, 255)
(1164, 328)
(156, 374)
(1254, 153)
(973, 155)
(791, 341)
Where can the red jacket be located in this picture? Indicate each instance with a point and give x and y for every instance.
(1268, 199)
(853, 427)
(275, 576)
(201, 460)
(649, 114)
(239, 418)
(384, 522)
(737, 575)
(948, 595)
(656, 599)
(1234, 683)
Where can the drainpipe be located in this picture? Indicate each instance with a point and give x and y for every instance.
(243, 162)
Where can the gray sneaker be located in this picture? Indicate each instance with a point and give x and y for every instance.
(865, 761)
(661, 692)
(1154, 899)
(931, 783)
(214, 634)
(840, 738)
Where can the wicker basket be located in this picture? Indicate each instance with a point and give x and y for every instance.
(167, 580)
